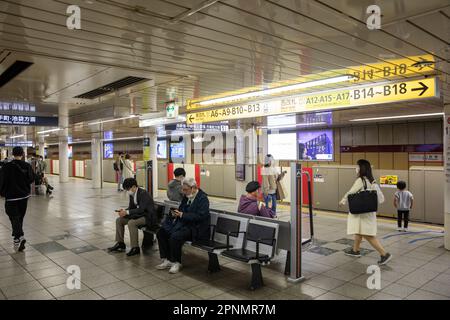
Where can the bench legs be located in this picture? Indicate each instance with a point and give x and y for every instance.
(213, 263)
(257, 280)
(147, 242)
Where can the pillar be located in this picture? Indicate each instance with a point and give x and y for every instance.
(248, 138)
(63, 121)
(41, 144)
(150, 133)
(447, 177)
(96, 163)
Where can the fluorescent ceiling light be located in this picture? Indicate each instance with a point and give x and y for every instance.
(260, 93)
(111, 120)
(294, 125)
(18, 136)
(154, 122)
(48, 131)
(126, 138)
(401, 117)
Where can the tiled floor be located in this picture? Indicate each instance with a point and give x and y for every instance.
(77, 224)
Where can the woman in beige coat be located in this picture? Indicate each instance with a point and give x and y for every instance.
(364, 225)
(270, 176)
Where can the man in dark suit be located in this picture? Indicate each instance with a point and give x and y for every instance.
(190, 222)
(141, 211)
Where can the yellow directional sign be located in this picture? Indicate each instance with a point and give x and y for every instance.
(331, 99)
(389, 69)
(405, 67)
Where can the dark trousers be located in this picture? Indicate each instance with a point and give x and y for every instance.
(402, 215)
(170, 244)
(16, 212)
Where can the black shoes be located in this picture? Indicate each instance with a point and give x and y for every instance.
(22, 244)
(350, 252)
(134, 251)
(385, 259)
(50, 187)
(118, 247)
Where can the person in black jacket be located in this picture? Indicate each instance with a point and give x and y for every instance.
(16, 178)
(190, 222)
(141, 211)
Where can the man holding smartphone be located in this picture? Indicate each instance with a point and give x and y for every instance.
(189, 222)
(141, 211)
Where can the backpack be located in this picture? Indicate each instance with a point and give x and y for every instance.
(116, 168)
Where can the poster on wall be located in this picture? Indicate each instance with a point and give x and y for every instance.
(69, 152)
(389, 181)
(316, 145)
(161, 149)
(108, 151)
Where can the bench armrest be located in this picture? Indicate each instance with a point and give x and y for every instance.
(258, 242)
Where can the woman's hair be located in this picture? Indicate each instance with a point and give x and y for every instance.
(365, 170)
(127, 156)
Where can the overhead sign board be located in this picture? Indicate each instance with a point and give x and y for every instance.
(406, 67)
(324, 100)
(387, 70)
(23, 120)
(17, 106)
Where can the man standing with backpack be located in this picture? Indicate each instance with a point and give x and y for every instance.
(16, 178)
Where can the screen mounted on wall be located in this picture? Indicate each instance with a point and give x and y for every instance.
(108, 150)
(282, 146)
(161, 149)
(315, 145)
(177, 150)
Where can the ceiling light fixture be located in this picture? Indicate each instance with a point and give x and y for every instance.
(48, 131)
(18, 136)
(116, 119)
(400, 117)
(265, 92)
(295, 125)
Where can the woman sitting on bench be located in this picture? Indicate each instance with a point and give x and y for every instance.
(249, 203)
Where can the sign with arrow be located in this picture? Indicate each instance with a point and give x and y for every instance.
(406, 67)
(324, 100)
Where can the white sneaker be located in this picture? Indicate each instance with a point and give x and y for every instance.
(175, 267)
(16, 245)
(399, 229)
(166, 264)
(405, 229)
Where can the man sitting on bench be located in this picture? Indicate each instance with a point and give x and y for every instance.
(190, 222)
(141, 211)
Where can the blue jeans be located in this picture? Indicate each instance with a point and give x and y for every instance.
(272, 197)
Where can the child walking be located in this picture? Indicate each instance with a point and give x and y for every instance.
(403, 201)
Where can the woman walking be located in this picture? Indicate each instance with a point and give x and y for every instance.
(364, 225)
(128, 171)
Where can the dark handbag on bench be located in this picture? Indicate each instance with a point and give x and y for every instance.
(364, 201)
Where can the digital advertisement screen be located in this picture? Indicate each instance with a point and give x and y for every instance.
(161, 149)
(315, 145)
(69, 152)
(282, 146)
(108, 151)
(177, 150)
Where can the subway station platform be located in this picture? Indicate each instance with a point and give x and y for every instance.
(76, 225)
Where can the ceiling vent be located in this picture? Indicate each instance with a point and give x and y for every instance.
(111, 87)
(13, 70)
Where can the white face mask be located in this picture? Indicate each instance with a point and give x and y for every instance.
(130, 193)
(357, 170)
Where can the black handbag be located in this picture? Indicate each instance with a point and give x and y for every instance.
(364, 201)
